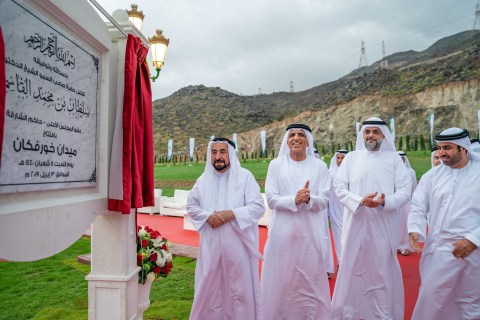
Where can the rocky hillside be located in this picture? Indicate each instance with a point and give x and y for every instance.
(198, 111)
(443, 79)
(454, 104)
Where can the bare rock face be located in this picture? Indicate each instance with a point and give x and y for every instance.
(454, 105)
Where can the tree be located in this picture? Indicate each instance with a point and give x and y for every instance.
(324, 152)
(415, 145)
(400, 143)
(407, 142)
(273, 153)
(422, 143)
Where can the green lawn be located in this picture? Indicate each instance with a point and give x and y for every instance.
(420, 161)
(191, 171)
(55, 288)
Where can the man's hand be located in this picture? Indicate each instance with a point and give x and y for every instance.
(463, 248)
(226, 215)
(303, 195)
(414, 242)
(371, 202)
(219, 218)
(215, 220)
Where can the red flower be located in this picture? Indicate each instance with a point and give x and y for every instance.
(147, 253)
(153, 256)
(167, 267)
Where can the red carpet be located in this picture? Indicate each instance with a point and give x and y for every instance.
(172, 229)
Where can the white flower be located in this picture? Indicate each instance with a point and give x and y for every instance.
(150, 251)
(161, 260)
(157, 242)
(142, 232)
(151, 276)
(168, 256)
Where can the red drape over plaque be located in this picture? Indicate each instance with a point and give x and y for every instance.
(136, 168)
(3, 91)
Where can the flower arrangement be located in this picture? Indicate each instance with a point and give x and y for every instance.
(152, 254)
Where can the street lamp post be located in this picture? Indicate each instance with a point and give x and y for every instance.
(158, 43)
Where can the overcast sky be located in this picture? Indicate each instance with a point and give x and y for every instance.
(253, 46)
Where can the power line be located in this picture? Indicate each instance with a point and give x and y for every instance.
(363, 57)
(476, 23)
(454, 21)
(384, 62)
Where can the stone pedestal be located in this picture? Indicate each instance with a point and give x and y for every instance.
(113, 281)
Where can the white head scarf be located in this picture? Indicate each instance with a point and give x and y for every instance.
(460, 138)
(434, 150)
(475, 145)
(208, 178)
(232, 155)
(285, 149)
(333, 162)
(388, 143)
(402, 154)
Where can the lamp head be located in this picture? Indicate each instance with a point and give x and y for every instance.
(158, 44)
(135, 16)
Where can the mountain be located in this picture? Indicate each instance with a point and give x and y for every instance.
(198, 111)
(449, 64)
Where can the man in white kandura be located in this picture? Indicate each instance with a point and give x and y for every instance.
(328, 254)
(404, 247)
(475, 145)
(335, 208)
(446, 202)
(372, 184)
(225, 205)
(294, 276)
(435, 157)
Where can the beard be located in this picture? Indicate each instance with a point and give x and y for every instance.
(451, 160)
(373, 145)
(220, 165)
